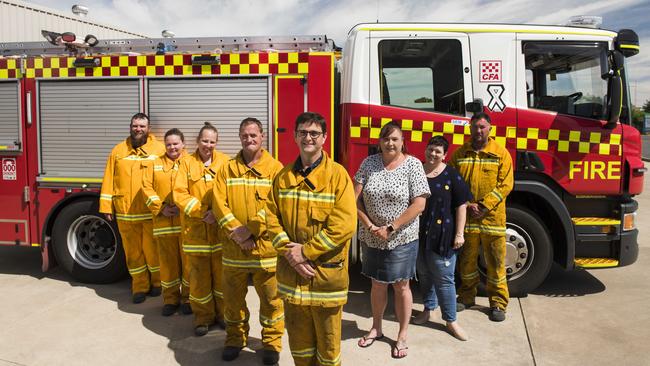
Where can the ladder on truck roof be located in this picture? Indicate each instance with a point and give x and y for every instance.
(173, 45)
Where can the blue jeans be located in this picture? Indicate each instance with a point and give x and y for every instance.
(436, 277)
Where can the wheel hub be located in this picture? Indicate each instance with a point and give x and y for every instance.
(91, 242)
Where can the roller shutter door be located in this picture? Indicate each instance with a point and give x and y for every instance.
(81, 121)
(187, 103)
(9, 122)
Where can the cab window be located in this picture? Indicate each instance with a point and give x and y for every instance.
(424, 74)
(567, 77)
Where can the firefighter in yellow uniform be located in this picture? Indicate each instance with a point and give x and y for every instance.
(240, 193)
(487, 168)
(157, 186)
(311, 217)
(122, 193)
(200, 234)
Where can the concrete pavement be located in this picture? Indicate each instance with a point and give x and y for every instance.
(595, 317)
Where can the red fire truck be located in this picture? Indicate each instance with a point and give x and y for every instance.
(557, 96)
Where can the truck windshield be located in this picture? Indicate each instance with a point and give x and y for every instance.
(567, 77)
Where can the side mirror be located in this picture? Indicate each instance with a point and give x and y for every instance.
(627, 42)
(475, 107)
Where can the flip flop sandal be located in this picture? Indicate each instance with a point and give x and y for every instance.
(399, 347)
(363, 341)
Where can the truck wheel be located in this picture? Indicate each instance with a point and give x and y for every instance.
(529, 253)
(86, 245)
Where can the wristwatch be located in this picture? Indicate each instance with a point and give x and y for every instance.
(390, 228)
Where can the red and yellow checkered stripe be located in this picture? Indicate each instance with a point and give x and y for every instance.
(10, 68)
(163, 65)
(584, 142)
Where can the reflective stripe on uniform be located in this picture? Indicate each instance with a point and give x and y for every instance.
(282, 237)
(136, 157)
(328, 362)
(169, 284)
(153, 269)
(487, 229)
(201, 300)
(190, 205)
(300, 294)
(265, 321)
(325, 240)
(284, 194)
(262, 213)
(133, 217)
(259, 182)
(167, 230)
(250, 263)
(217, 294)
(151, 200)
(226, 219)
(304, 353)
(498, 281)
(469, 276)
(484, 161)
(106, 197)
(138, 270)
(189, 248)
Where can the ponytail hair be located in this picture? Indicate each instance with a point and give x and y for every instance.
(207, 126)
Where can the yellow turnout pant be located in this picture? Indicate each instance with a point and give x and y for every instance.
(174, 270)
(494, 251)
(314, 334)
(141, 254)
(236, 312)
(206, 296)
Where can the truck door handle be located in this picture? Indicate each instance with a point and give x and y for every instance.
(281, 129)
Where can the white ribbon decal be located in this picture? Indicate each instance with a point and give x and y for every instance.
(496, 103)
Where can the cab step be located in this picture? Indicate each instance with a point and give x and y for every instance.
(596, 225)
(595, 262)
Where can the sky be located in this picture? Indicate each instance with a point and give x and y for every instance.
(334, 18)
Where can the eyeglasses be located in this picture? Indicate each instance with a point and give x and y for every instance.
(312, 134)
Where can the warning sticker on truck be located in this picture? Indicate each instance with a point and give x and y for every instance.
(9, 169)
(490, 71)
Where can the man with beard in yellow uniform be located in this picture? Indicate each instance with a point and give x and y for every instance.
(201, 242)
(157, 185)
(487, 168)
(122, 193)
(240, 193)
(311, 217)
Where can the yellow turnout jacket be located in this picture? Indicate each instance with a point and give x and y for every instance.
(318, 211)
(122, 184)
(157, 186)
(489, 175)
(193, 196)
(240, 194)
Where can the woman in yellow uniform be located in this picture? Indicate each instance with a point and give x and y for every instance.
(201, 244)
(157, 185)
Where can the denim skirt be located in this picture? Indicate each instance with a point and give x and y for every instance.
(389, 266)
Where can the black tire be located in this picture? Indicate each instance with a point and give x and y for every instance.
(86, 245)
(529, 252)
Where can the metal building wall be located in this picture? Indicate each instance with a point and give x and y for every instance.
(22, 22)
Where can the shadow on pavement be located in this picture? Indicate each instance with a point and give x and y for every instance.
(563, 283)
(178, 329)
(21, 260)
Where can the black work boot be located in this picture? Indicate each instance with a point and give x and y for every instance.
(497, 315)
(230, 353)
(270, 357)
(169, 309)
(139, 297)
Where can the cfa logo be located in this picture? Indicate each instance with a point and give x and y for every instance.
(490, 77)
(595, 169)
